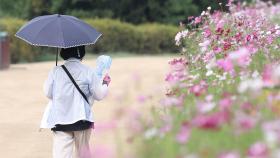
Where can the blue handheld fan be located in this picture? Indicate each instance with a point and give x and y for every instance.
(103, 64)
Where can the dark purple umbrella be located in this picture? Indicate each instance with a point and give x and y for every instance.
(60, 31)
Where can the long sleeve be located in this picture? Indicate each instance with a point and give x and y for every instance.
(97, 89)
(48, 85)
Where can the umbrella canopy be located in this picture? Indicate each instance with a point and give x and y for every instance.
(61, 31)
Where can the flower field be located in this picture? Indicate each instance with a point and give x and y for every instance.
(223, 99)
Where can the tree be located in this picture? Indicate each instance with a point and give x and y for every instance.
(134, 11)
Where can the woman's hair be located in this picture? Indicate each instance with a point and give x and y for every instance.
(73, 52)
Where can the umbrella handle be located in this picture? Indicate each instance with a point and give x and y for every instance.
(56, 56)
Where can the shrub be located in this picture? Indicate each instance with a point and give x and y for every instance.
(156, 38)
(20, 51)
(146, 38)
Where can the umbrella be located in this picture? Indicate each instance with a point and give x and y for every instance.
(60, 31)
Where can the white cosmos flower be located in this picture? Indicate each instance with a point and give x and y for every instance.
(203, 13)
(277, 32)
(271, 138)
(211, 64)
(250, 84)
(209, 72)
(255, 74)
(275, 153)
(181, 35)
(191, 156)
(150, 133)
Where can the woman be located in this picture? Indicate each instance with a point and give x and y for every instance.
(69, 112)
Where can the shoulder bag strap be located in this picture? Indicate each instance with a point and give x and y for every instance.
(73, 81)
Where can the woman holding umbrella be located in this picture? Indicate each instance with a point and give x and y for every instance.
(70, 116)
(72, 87)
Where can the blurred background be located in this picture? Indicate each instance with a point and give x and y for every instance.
(128, 26)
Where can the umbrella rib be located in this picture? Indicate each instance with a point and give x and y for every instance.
(62, 32)
(31, 22)
(82, 29)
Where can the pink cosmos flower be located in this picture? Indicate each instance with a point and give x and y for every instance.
(220, 25)
(238, 37)
(247, 106)
(225, 103)
(199, 89)
(178, 71)
(270, 39)
(248, 38)
(227, 46)
(173, 101)
(167, 124)
(197, 20)
(242, 56)
(184, 133)
(252, 49)
(225, 64)
(258, 150)
(217, 50)
(219, 30)
(165, 128)
(255, 35)
(207, 33)
(142, 98)
(230, 155)
(101, 151)
(134, 123)
(170, 78)
(178, 64)
(229, 3)
(267, 75)
(211, 121)
(176, 77)
(208, 56)
(245, 122)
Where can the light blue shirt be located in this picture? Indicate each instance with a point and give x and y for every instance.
(66, 105)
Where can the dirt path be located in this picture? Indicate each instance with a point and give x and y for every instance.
(22, 102)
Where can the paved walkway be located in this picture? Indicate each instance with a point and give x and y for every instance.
(22, 103)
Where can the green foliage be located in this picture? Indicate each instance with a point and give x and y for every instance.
(117, 37)
(205, 143)
(15, 8)
(145, 38)
(133, 11)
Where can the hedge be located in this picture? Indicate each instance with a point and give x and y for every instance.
(117, 37)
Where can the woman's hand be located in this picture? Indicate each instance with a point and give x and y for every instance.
(107, 80)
